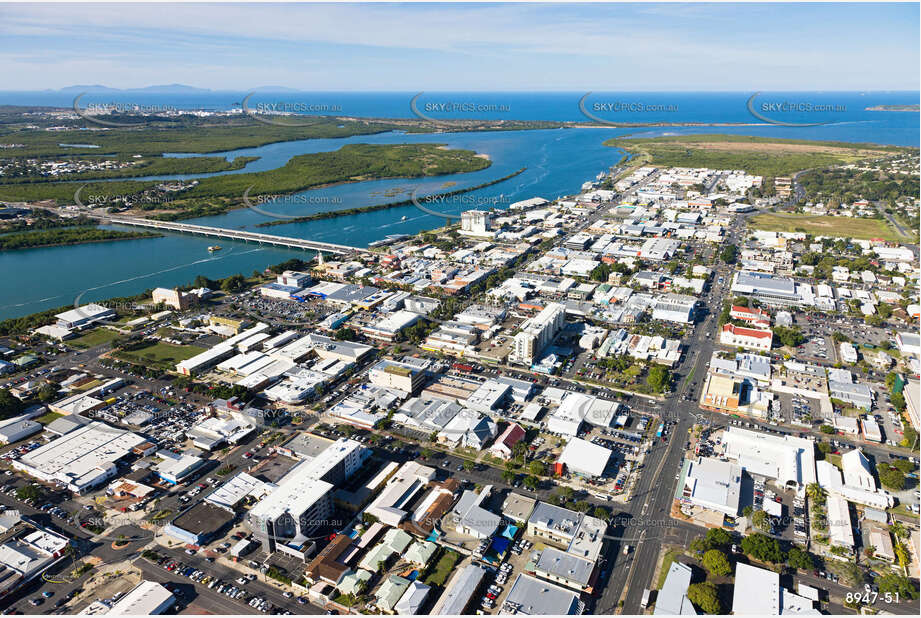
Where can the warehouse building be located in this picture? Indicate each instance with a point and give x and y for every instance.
(84, 316)
(770, 290)
(146, 599)
(82, 459)
(757, 591)
(788, 459)
(559, 567)
(674, 308)
(583, 458)
(18, 430)
(714, 484)
(672, 599)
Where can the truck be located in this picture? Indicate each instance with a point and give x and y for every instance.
(645, 602)
(462, 367)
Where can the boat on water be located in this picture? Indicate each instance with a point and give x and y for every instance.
(214, 248)
(403, 218)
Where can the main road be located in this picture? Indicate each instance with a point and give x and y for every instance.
(647, 521)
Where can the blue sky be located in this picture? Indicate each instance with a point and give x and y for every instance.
(463, 47)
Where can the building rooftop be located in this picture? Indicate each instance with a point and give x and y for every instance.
(583, 457)
(459, 591)
(145, 599)
(756, 591)
(532, 596)
(715, 484)
(672, 599)
(80, 456)
(564, 565)
(203, 518)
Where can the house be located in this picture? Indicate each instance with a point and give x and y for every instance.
(505, 444)
(470, 429)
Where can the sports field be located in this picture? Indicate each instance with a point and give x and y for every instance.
(161, 355)
(839, 227)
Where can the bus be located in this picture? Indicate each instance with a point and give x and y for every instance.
(645, 602)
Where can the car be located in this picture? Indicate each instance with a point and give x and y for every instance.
(287, 594)
(48, 594)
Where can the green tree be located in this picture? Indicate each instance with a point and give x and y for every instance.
(789, 336)
(763, 548)
(896, 583)
(9, 405)
(658, 379)
(345, 334)
(815, 492)
(800, 559)
(910, 438)
(233, 283)
(716, 563)
(705, 597)
(601, 513)
(29, 492)
(891, 478)
(531, 482)
(760, 520)
(729, 254)
(537, 468)
(699, 545)
(48, 393)
(717, 537)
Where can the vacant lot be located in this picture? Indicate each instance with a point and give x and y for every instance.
(161, 355)
(97, 336)
(756, 155)
(841, 227)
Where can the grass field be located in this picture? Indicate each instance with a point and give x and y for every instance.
(97, 336)
(50, 417)
(160, 355)
(842, 227)
(443, 569)
(756, 155)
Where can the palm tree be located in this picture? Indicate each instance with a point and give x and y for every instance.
(815, 492)
(898, 529)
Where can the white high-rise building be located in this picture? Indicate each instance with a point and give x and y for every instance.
(475, 221)
(538, 331)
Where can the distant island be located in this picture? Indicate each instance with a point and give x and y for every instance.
(913, 107)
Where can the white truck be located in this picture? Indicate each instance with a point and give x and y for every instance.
(645, 602)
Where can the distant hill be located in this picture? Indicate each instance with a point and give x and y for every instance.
(167, 88)
(912, 107)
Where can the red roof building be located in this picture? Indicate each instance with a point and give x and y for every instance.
(504, 444)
